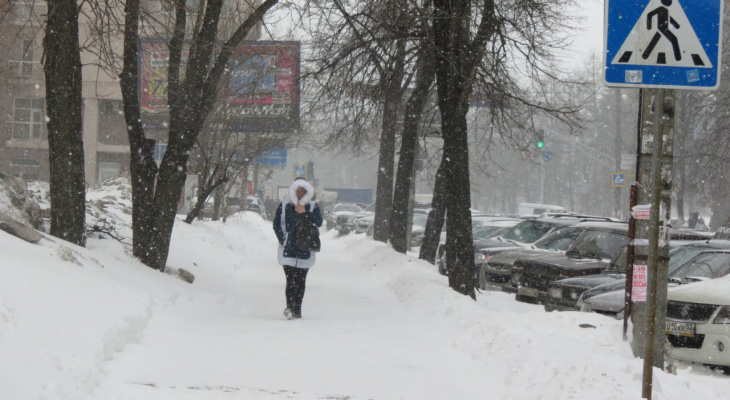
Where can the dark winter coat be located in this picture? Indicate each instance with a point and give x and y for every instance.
(286, 239)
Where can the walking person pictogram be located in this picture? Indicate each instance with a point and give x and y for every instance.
(663, 21)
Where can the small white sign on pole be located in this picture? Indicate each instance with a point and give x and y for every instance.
(641, 211)
(638, 286)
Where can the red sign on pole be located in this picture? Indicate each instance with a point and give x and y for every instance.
(638, 287)
(642, 211)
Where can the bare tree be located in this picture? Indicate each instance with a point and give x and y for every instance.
(425, 75)
(190, 98)
(368, 50)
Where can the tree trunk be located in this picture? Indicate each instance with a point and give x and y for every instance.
(386, 166)
(65, 128)
(457, 59)
(414, 108)
(435, 221)
(142, 167)
(392, 97)
(458, 202)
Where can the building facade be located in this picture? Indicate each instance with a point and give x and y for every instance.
(24, 136)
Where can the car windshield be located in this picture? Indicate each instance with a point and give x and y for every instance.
(618, 263)
(488, 231)
(347, 207)
(597, 244)
(420, 220)
(527, 232)
(679, 256)
(706, 265)
(561, 239)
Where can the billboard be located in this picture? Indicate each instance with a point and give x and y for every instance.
(263, 87)
(261, 90)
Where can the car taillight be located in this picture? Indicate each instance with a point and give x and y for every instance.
(723, 316)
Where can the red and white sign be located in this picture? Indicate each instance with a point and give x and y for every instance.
(638, 287)
(642, 212)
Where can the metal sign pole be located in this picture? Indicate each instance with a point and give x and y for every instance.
(630, 260)
(653, 245)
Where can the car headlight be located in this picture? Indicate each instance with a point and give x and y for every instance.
(556, 292)
(479, 258)
(723, 316)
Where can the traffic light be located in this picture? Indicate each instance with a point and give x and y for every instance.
(540, 138)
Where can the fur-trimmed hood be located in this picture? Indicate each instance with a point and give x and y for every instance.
(293, 192)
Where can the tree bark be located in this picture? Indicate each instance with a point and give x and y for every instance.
(62, 70)
(142, 167)
(409, 139)
(436, 217)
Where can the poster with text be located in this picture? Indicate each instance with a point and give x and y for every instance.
(638, 286)
(260, 90)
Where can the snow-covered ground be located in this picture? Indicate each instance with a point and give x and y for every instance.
(93, 323)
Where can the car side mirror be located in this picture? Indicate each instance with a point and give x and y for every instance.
(693, 279)
(673, 282)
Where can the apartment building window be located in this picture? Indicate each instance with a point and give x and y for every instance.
(27, 176)
(23, 64)
(24, 9)
(27, 119)
(108, 170)
(25, 162)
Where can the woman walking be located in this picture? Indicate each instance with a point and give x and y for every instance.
(292, 221)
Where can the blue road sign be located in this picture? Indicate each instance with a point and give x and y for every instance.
(547, 156)
(273, 156)
(618, 179)
(663, 43)
(300, 170)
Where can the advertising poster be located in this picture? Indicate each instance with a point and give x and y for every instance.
(638, 288)
(261, 91)
(263, 87)
(154, 57)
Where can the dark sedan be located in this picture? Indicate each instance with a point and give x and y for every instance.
(496, 271)
(563, 294)
(589, 254)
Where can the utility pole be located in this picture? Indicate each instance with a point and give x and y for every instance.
(617, 156)
(634, 60)
(652, 235)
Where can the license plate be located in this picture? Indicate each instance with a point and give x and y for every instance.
(526, 291)
(680, 328)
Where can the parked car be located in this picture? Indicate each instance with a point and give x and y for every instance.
(338, 210)
(365, 225)
(496, 271)
(487, 230)
(589, 254)
(346, 223)
(698, 322)
(682, 263)
(533, 209)
(682, 257)
(521, 235)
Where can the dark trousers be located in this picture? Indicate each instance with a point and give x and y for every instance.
(296, 280)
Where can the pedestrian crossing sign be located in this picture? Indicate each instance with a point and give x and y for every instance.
(663, 43)
(618, 179)
(300, 170)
